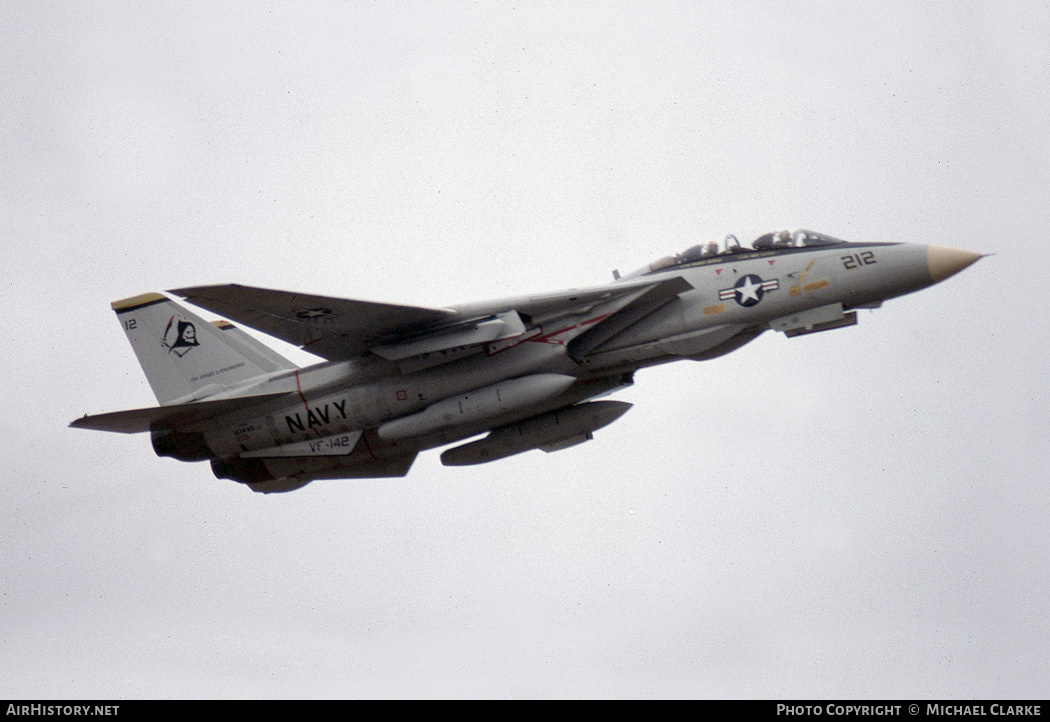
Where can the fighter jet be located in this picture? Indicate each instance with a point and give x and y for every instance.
(526, 371)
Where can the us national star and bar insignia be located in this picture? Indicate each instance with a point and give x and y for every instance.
(311, 313)
(749, 290)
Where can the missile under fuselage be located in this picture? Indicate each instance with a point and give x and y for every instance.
(478, 405)
(550, 432)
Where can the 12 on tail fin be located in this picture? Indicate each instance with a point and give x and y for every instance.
(184, 356)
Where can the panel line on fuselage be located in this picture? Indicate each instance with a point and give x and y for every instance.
(727, 258)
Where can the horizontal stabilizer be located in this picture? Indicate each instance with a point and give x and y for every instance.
(134, 421)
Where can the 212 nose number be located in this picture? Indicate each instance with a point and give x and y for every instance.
(861, 259)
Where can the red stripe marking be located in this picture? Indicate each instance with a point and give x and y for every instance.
(368, 447)
(581, 324)
(521, 339)
(299, 388)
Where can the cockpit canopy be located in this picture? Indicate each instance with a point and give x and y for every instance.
(769, 241)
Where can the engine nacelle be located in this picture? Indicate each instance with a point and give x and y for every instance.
(180, 445)
(254, 474)
(246, 471)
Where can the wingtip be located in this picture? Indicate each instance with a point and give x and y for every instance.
(190, 291)
(183, 292)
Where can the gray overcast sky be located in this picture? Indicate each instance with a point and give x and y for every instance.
(857, 513)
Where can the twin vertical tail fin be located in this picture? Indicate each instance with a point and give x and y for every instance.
(184, 356)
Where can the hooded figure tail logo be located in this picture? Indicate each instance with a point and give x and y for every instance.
(181, 339)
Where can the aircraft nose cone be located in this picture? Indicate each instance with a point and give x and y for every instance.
(944, 261)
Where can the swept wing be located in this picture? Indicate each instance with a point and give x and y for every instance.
(340, 329)
(332, 328)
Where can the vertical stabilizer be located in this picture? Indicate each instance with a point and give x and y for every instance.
(185, 356)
